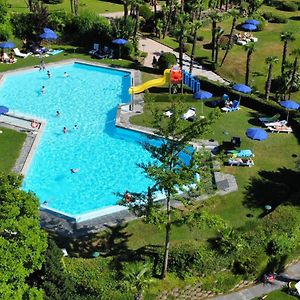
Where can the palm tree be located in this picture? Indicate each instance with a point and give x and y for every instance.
(196, 25)
(235, 14)
(136, 277)
(215, 17)
(169, 15)
(74, 7)
(296, 53)
(219, 32)
(285, 37)
(270, 60)
(125, 7)
(250, 48)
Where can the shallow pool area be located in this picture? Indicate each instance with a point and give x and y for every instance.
(106, 156)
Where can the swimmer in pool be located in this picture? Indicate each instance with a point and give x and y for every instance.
(76, 170)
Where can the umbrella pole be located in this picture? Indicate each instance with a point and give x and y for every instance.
(287, 118)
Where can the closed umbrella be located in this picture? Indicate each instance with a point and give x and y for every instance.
(242, 88)
(120, 42)
(202, 95)
(3, 110)
(289, 105)
(253, 22)
(7, 45)
(257, 134)
(249, 27)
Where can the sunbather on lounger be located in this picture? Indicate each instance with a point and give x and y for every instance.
(276, 123)
(190, 115)
(283, 128)
(237, 161)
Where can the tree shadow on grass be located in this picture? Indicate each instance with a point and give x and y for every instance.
(273, 188)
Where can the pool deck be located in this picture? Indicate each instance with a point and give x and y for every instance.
(70, 226)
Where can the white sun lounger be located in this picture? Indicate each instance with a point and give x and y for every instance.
(276, 123)
(95, 49)
(20, 54)
(190, 114)
(278, 129)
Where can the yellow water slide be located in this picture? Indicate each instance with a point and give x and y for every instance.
(151, 83)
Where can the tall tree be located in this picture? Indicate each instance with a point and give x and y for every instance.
(169, 170)
(169, 9)
(196, 25)
(285, 37)
(219, 33)
(270, 61)
(249, 48)
(296, 53)
(74, 7)
(22, 241)
(235, 13)
(215, 18)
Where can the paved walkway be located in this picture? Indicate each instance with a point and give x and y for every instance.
(155, 48)
(291, 273)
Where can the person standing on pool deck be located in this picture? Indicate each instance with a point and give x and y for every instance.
(42, 65)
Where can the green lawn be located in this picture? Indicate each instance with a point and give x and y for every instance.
(268, 44)
(278, 295)
(11, 143)
(97, 6)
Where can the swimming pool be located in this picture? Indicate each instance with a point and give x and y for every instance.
(107, 156)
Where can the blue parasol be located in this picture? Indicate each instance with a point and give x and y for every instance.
(253, 22)
(249, 27)
(48, 35)
(120, 42)
(256, 134)
(202, 95)
(289, 105)
(242, 88)
(46, 29)
(3, 110)
(7, 45)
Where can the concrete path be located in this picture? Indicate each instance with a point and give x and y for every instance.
(291, 273)
(155, 48)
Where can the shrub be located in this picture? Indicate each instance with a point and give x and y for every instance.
(282, 244)
(166, 60)
(145, 12)
(267, 15)
(289, 6)
(278, 19)
(128, 51)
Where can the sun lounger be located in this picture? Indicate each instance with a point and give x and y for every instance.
(20, 54)
(95, 49)
(278, 129)
(168, 113)
(235, 106)
(240, 162)
(276, 123)
(190, 115)
(240, 153)
(266, 119)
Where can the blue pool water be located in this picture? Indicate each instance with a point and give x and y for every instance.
(106, 156)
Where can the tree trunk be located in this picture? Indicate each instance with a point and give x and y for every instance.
(125, 5)
(293, 76)
(137, 15)
(269, 81)
(217, 50)
(76, 7)
(167, 241)
(229, 44)
(193, 50)
(155, 15)
(72, 6)
(168, 19)
(213, 39)
(248, 67)
(284, 52)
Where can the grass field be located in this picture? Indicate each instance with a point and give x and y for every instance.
(268, 44)
(278, 295)
(97, 6)
(11, 143)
